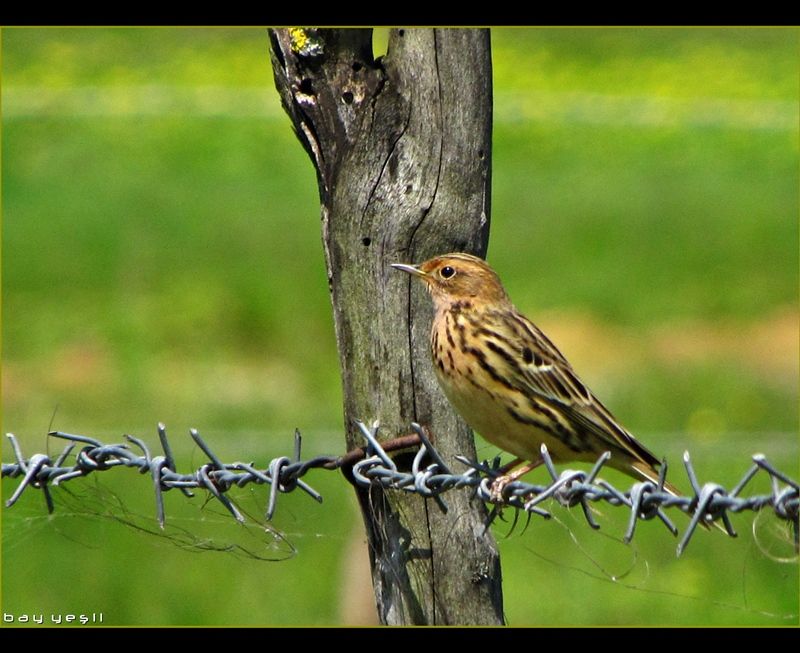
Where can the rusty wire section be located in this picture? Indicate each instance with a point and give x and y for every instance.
(429, 476)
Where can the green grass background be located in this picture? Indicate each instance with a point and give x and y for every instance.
(162, 261)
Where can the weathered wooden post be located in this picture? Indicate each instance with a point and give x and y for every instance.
(402, 149)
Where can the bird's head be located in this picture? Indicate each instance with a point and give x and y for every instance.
(458, 277)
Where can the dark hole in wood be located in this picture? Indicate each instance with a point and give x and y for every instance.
(347, 96)
(405, 460)
(357, 66)
(306, 86)
(367, 241)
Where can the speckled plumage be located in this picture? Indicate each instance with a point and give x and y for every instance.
(509, 381)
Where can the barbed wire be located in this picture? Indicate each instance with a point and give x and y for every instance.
(645, 500)
(215, 476)
(429, 477)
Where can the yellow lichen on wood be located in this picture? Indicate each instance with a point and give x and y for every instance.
(304, 41)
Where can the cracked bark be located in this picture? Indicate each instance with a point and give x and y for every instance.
(402, 150)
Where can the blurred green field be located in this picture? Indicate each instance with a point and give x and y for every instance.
(161, 254)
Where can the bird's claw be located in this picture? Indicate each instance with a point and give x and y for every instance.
(497, 488)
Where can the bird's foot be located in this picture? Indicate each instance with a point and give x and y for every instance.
(496, 488)
(499, 484)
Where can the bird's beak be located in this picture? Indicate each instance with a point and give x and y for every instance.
(411, 269)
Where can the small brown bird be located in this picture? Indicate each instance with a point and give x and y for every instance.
(510, 383)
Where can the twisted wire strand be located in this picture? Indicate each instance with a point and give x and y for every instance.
(645, 500)
(429, 477)
(216, 477)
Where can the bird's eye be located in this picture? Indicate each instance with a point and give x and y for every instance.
(446, 272)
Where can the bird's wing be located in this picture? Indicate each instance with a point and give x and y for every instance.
(542, 370)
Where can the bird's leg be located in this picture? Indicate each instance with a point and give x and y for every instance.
(508, 476)
(505, 469)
